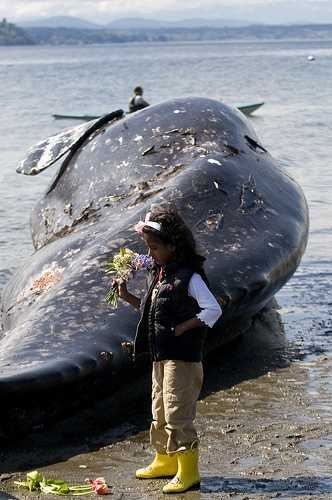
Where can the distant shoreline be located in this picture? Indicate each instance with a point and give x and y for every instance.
(173, 42)
(12, 35)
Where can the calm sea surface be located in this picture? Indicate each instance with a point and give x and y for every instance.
(295, 125)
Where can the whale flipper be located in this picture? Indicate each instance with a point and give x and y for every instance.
(50, 150)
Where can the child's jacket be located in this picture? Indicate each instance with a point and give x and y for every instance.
(170, 306)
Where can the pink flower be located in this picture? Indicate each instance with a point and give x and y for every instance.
(139, 227)
(99, 486)
(140, 224)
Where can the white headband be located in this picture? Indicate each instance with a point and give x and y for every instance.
(154, 225)
(140, 225)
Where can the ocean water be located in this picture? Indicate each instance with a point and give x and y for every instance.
(295, 125)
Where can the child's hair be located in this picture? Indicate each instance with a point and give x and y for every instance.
(175, 232)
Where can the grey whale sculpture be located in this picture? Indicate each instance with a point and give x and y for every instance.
(250, 217)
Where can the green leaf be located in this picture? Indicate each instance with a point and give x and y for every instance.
(35, 476)
(112, 297)
(36, 481)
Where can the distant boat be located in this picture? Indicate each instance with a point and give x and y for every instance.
(246, 110)
(250, 108)
(76, 117)
(311, 58)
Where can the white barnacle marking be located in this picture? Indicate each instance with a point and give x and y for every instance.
(138, 138)
(123, 164)
(85, 309)
(214, 162)
(72, 252)
(235, 247)
(108, 141)
(177, 111)
(188, 149)
(120, 139)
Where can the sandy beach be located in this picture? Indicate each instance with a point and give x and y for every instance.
(264, 433)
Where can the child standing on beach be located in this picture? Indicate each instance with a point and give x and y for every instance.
(175, 312)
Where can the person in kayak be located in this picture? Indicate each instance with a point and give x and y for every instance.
(137, 101)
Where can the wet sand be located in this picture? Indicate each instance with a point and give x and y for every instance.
(263, 419)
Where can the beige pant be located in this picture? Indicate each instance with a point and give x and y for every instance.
(175, 389)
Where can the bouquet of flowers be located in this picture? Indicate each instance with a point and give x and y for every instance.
(37, 482)
(123, 266)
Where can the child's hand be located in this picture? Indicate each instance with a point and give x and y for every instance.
(179, 329)
(122, 287)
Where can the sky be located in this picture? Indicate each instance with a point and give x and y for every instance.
(103, 11)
